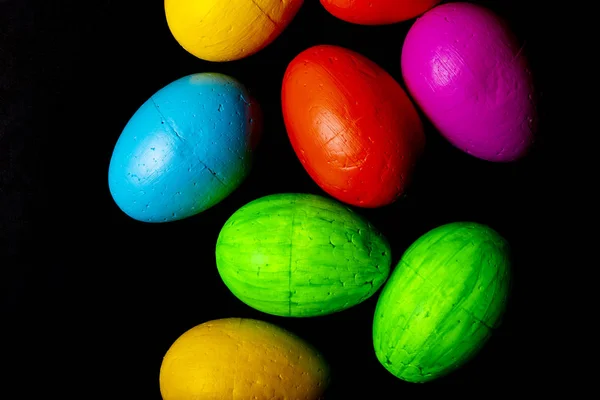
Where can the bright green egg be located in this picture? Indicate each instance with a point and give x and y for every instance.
(442, 301)
(301, 255)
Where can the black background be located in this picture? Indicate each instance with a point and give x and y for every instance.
(91, 299)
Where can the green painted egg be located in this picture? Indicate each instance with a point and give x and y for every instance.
(301, 255)
(442, 301)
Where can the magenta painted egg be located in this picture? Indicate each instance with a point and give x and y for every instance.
(470, 75)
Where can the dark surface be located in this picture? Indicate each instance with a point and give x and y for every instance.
(91, 300)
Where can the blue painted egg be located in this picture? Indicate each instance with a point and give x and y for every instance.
(187, 148)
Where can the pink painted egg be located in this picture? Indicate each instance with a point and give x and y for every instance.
(469, 74)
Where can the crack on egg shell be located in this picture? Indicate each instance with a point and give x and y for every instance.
(291, 258)
(171, 127)
(265, 13)
(166, 120)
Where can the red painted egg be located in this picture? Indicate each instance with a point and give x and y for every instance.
(353, 127)
(379, 12)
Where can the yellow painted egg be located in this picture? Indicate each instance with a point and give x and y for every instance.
(240, 359)
(227, 30)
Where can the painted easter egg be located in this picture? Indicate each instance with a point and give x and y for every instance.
(470, 76)
(442, 302)
(380, 12)
(301, 255)
(352, 126)
(240, 358)
(216, 30)
(185, 149)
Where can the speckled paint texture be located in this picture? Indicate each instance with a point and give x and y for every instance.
(442, 301)
(301, 255)
(241, 359)
(377, 12)
(227, 30)
(352, 126)
(185, 149)
(470, 75)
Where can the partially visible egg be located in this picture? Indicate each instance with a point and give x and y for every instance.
(470, 75)
(352, 126)
(227, 30)
(185, 149)
(380, 12)
(239, 358)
